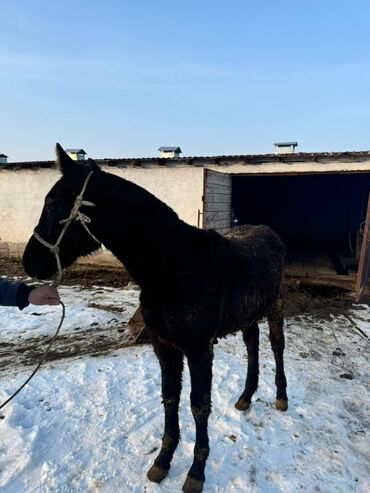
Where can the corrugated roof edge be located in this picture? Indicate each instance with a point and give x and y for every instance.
(204, 160)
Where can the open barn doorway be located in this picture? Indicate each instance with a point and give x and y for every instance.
(321, 218)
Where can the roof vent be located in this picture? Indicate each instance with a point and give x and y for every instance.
(285, 147)
(3, 158)
(169, 152)
(76, 154)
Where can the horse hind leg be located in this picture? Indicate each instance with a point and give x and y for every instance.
(251, 339)
(275, 318)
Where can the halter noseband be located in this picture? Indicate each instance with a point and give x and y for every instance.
(75, 215)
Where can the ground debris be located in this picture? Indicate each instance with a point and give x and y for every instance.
(347, 376)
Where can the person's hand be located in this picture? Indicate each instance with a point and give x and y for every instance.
(44, 295)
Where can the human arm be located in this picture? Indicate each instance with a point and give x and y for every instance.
(20, 294)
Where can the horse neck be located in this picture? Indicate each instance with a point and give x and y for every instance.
(139, 229)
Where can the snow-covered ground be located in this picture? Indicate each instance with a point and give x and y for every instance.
(93, 424)
(85, 308)
(94, 325)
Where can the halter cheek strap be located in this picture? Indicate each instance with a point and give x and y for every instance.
(75, 215)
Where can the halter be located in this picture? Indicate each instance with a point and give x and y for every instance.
(75, 215)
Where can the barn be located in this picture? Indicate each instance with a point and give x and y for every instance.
(318, 202)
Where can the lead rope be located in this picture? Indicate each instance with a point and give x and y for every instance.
(83, 219)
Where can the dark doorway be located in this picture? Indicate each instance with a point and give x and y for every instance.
(319, 216)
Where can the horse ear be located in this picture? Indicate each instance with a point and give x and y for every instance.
(64, 163)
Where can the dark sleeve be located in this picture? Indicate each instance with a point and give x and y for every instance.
(14, 293)
(23, 294)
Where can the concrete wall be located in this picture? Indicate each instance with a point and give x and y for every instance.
(295, 167)
(179, 187)
(22, 194)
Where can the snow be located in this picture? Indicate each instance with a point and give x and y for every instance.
(93, 306)
(93, 424)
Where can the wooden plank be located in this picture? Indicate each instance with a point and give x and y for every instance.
(217, 201)
(311, 274)
(217, 197)
(217, 207)
(221, 186)
(219, 224)
(363, 273)
(217, 189)
(218, 178)
(210, 217)
(218, 186)
(220, 191)
(317, 281)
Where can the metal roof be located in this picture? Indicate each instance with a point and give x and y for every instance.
(246, 159)
(3, 155)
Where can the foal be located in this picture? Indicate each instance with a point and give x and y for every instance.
(196, 286)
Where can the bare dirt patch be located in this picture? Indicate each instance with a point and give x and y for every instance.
(86, 275)
(319, 302)
(91, 342)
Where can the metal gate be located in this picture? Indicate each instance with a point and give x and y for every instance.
(363, 273)
(217, 201)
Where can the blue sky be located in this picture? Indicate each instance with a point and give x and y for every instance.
(121, 78)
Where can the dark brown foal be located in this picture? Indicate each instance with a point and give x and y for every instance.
(196, 286)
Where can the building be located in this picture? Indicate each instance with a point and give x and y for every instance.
(3, 158)
(318, 202)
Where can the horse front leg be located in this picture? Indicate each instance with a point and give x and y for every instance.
(200, 366)
(171, 363)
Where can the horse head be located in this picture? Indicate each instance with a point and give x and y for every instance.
(63, 231)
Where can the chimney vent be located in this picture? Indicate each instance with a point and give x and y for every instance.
(76, 154)
(169, 152)
(285, 147)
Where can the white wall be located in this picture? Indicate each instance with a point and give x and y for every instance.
(296, 167)
(179, 187)
(22, 194)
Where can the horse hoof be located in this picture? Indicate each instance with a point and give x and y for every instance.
(242, 404)
(192, 485)
(281, 404)
(156, 474)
